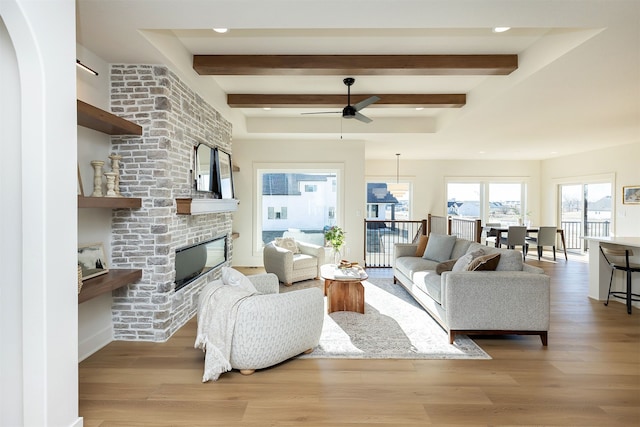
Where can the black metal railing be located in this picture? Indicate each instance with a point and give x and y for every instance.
(381, 235)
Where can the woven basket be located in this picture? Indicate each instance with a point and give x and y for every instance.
(79, 279)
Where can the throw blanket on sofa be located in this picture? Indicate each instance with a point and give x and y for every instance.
(217, 312)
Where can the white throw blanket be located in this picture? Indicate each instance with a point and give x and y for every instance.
(217, 312)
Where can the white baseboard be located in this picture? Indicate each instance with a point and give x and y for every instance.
(94, 343)
(77, 423)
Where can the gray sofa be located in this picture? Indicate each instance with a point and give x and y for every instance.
(513, 299)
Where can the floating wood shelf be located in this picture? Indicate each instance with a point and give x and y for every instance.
(108, 282)
(109, 202)
(186, 206)
(94, 118)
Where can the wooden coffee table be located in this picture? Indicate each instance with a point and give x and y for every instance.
(343, 289)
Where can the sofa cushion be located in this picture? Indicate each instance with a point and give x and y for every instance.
(429, 283)
(409, 265)
(439, 247)
(422, 245)
(487, 262)
(287, 243)
(460, 248)
(445, 266)
(510, 260)
(466, 259)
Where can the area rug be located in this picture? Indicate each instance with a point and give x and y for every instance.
(393, 326)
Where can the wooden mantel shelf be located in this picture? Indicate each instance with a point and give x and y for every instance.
(108, 282)
(94, 118)
(187, 206)
(109, 202)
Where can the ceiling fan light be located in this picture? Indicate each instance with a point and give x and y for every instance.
(501, 29)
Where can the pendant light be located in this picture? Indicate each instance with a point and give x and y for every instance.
(397, 189)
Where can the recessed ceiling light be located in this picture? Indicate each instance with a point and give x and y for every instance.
(221, 30)
(266, 108)
(419, 108)
(501, 29)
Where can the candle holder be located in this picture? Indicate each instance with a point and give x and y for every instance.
(97, 178)
(115, 168)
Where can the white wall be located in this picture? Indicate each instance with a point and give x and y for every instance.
(39, 85)
(347, 154)
(622, 161)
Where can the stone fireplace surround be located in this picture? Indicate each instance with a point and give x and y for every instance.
(156, 167)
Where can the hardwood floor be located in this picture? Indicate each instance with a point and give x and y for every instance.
(589, 375)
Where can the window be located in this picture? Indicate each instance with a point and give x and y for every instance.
(493, 202)
(388, 201)
(296, 203)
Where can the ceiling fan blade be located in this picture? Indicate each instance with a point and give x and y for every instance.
(322, 112)
(366, 102)
(362, 118)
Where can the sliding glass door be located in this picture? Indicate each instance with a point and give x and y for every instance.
(586, 211)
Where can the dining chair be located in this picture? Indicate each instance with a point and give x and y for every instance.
(489, 233)
(516, 237)
(610, 251)
(546, 237)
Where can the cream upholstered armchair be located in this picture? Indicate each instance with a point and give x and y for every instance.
(272, 327)
(292, 260)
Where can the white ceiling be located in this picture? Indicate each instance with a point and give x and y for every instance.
(577, 87)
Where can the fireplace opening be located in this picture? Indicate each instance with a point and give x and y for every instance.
(195, 260)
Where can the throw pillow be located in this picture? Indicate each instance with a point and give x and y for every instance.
(287, 243)
(422, 245)
(487, 262)
(445, 266)
(439, 247)
(466, 259)
(232, 277)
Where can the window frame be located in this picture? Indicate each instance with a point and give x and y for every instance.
(484, 183)
(262, 168)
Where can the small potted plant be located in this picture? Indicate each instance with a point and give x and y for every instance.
(334, 236)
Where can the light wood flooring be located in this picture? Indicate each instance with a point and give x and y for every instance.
(589, 375)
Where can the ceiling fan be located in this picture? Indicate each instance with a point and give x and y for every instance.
(352, 111)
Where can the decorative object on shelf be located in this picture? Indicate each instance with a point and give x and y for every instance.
(79, 278)
(80, 189)
(111, 184)
(115, 168)
(92, 260)
(223, 180)
(335, 238)
(97, 177)
(631, 195)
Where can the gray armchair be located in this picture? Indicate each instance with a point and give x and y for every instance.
(293, 267)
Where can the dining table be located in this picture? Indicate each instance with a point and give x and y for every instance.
(530, 229)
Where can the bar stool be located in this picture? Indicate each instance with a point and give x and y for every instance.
(616, 251)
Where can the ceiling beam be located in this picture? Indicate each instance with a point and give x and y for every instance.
(345, 65)
(339, 101)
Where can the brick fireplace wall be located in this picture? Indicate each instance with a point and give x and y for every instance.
(156, 167)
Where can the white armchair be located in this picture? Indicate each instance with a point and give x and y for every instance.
(272, 327)
(293, 267)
